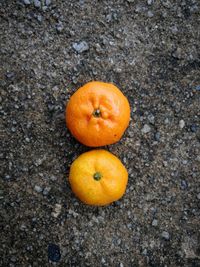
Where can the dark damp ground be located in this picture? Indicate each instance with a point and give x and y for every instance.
(151, 51)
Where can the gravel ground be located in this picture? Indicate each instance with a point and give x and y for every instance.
(151, 50)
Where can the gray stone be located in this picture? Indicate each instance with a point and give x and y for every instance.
(149, 2)
(165, 235)
(146, 129)
(13, 129)
(157, 136)
(46, 190)
(38, 188)
(178, 53)
(37, 3)
(150, 14)
(39, 18)
(57, 210)
(27, 2)
(59, 27)
(197, 87)
(151, 118)
(154, 222)
(27, 139)
(181, 124)
(198, 196)
(81, 47)
(166, 121)
(144, 252)
(1, 194)
(47, 2)
(184, 185)
(193, 128)
(53, 178)
(174, 29)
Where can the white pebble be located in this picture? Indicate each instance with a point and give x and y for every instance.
(48, 2)
(81, 47)
(149, 2)
(27, 2)
(57, 210)
(37, 3)
(146, 129)
(154, 222)
(38, 188)
(181, 124)
(165, 235)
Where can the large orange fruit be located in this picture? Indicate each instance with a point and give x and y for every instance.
(97, 114)
(98, 178)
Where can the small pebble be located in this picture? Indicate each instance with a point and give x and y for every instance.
(39, 18)
(81, 47)
(53, 178)
(144, 252)
(38, 188)
(10, 75)
(59, 27)
(184, 185)
(54, 253)
(13, 259)
(154, 222)
(47, 2)
(103, 261)
(150, 14)
(174, 29)
(7, 177)
(198, 196)
(146, 129)
(166, 121)
(149, 2)
(165, 235)
(193, 128)
(181, 124)
(27, 2)
(13, 129)
(37, 3)
(157, 136)
(46, 190)
(57, 210)
(197, 87)
(1, 194)
(178, 53)
(151, 118)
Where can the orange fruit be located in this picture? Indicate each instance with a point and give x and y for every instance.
(97, 114)
(98, 178)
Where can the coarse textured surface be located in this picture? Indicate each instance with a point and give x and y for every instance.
(150, 50)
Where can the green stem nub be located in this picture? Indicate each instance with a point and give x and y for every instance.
(97, 176)
(97, 113)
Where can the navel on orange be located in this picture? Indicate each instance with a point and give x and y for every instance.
(98, 178)
(97, 114)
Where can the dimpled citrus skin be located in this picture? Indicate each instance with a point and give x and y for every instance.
(110, 186)
(97, 114)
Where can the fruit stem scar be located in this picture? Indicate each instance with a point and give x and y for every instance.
(97, 176)
(97, 113)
